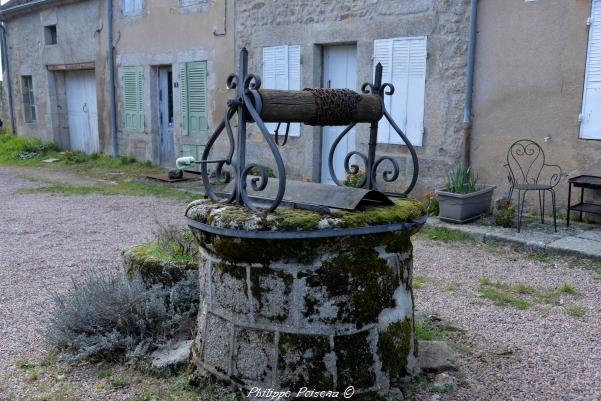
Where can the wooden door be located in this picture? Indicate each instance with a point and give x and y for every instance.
(339, 71)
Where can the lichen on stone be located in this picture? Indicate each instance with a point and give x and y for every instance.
(286, 219)
(302, 361)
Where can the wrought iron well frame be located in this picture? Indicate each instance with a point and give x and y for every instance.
(246, 105)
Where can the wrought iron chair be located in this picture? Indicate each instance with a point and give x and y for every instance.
(528, 171)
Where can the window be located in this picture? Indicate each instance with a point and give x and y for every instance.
(133, 98)
(404, 65)
(132, 7)
(28, 99)
(193, 84)
(281, 70)
(186, 3)
(50, 35)
(590, 127)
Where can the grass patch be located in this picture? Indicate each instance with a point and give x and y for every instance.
(553, 295)
(542, 257)
(26, 152)
(576, 311)
(523, 289)
(446, 235)
(121, 188)
(453, 287)
(518, 295)
(426, 331)
(118, 383)
(104, 373)
(419, 281)
(504, 298)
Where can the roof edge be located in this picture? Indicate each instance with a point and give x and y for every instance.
(20, 7)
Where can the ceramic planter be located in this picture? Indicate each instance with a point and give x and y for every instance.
(462, 208)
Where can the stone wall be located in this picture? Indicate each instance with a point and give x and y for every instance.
(313, 24)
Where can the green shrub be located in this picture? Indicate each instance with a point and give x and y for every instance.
(504, 214)
(460, 180)
(107, 315)
(77, 157)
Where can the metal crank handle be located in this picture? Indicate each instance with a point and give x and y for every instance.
(181, 162)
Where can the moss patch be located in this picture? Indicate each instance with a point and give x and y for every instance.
(155, 265)
(236, 217)
(394, 346)
(361, 281)
(353, 354)
(302, 362)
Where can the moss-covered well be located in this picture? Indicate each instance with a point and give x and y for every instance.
(155, 265)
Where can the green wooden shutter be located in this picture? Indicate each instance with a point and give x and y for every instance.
(133, 98)
(193, 82)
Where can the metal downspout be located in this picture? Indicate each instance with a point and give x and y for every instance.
(111, 65)
(6, 71)
(469, 96)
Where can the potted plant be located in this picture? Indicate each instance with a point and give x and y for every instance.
(463, 199)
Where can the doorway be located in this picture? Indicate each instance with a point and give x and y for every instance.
(339, 71)
(167, 143)
(82, 111)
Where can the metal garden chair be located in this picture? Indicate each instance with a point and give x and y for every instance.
(528, 171)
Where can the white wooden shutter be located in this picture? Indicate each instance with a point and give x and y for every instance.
(590, 127)
(404, 65)
(383, 55)
(281, 70)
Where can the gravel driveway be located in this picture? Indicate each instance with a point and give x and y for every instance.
(46, 240)
(540, 353)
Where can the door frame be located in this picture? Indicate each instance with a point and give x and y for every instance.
(163, 108)
(84, 73)
(324, 84)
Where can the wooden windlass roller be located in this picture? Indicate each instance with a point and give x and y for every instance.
(317, 106)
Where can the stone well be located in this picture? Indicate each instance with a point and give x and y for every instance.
(295, 298)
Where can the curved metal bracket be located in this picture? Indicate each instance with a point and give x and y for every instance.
(371, 163)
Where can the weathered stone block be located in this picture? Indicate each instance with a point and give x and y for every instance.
(229, 288)
(271, 291)
(303, 361)
(354, 361)
(216, 347)
(254, 355)
(350, 288)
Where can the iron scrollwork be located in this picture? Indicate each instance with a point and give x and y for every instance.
(371, 163)
(247, 106)
(244, 105)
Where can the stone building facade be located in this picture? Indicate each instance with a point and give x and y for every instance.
(58, 62)
(174, 38)
(319, 28)
(44, 48)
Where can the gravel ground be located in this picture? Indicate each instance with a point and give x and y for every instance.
(47, 240)
(540, 353)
